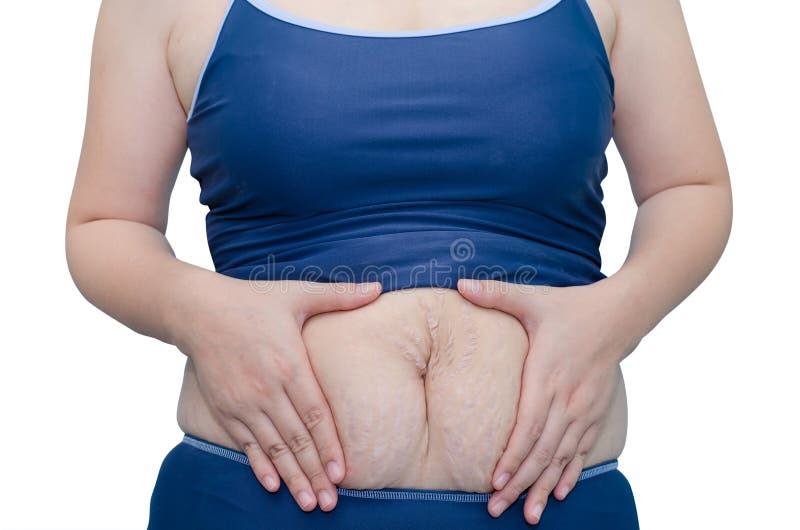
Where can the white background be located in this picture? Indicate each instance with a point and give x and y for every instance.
(88, 406)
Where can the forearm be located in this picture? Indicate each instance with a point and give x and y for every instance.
(129, 271)
(678, 237)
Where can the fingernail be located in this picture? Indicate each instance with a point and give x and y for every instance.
(499, 506)
(562, 491)
(270, 480)
(333, 471)
(501, 481)
(325, 499)
(305, 499)
(537, 511)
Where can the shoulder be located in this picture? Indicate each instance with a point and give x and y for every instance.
(633, 13)
(634, 19)
(149, 19)
(644, 29)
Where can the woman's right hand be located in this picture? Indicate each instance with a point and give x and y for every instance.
(244, 340)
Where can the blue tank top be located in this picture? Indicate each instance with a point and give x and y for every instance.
(413, 158)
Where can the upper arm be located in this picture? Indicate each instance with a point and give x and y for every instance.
(135, 135)
(663, 126)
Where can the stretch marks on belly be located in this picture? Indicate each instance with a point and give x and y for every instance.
(423, 386)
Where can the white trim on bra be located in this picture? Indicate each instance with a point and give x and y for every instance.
(281, 14)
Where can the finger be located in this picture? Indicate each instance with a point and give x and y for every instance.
(573, 470)
(260, 463)
(315, 297)
(312, 406)
(291, 428)
(532, 414)
(493, 294)
(569, 477)
(536, 500)
(533, 465)
(282, 457)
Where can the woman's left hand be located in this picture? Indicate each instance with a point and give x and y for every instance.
(577, 337)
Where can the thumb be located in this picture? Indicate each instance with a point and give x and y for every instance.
(317, 297)
(512, 298)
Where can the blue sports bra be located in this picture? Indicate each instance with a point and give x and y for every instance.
(413, 158)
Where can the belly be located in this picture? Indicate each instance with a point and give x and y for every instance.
(424, 388)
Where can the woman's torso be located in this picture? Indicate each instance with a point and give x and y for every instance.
(423, 385)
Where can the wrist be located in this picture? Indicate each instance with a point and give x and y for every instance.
(182, 294)
(628, 311)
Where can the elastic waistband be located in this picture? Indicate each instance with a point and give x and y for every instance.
(390, 493)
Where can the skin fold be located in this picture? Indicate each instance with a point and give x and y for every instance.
(423, 386)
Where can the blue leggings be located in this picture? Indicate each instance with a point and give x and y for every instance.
(205, 486)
